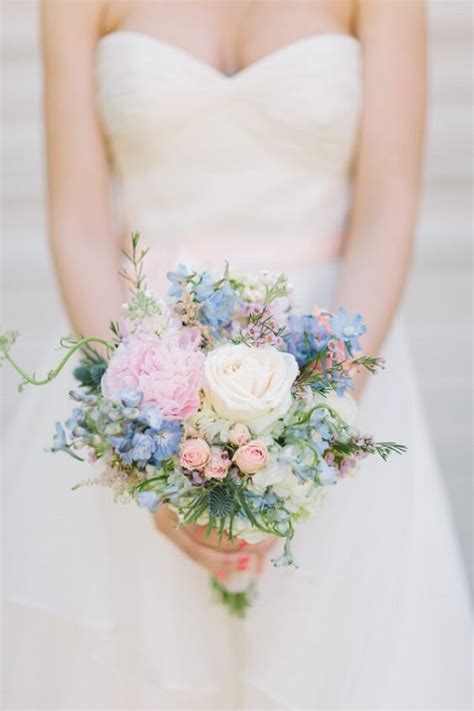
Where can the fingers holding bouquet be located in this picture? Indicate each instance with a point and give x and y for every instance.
(220, 559)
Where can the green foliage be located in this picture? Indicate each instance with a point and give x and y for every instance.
(135, 258)
(313, 375)
(91, 369)
(384, 449)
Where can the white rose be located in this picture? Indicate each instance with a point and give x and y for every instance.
(249, 385)
(345, 406)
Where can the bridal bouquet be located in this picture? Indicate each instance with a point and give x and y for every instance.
(222, 401)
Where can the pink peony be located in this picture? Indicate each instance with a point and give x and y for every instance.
(194, 454)
(251, 457)
(239, 434)
(167, 370)
(218, 465)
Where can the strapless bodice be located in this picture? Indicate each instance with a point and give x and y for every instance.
(256, 165)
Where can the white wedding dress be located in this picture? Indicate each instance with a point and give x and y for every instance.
(105, 613)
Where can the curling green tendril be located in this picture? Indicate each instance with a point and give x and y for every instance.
(8, 339)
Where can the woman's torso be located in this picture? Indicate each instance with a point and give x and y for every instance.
(233, 143)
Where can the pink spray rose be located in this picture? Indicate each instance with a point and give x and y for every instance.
(218, 465)
(239, 434)
(251, 457)
(194, 454)
(167, 370)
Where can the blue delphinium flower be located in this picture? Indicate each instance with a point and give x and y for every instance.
(262, 502)
(166, 441)
(294, 456)
(178, 281)
(348, 329)
(306, 337)
(219, 307)
(286, 558)
(143, 447)
(149, 500)
(218, 302)
(152, 416)
(326, 474)
(205, 288)
(137, 449)
(74, 419)
(59, 439)
(60, 443)
(320, 420)
(341, 381)
(131, 397)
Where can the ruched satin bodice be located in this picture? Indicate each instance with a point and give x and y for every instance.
(254, 164)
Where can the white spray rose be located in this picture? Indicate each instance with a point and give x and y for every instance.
(249, 385)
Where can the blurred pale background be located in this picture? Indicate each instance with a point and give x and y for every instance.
(439, 295)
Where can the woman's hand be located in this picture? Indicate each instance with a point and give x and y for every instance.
(221, 561)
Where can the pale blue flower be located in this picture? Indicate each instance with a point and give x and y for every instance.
(294, 456)
(326, 474)
(148, 500)
(131, 397)
(306, 337)
(286, 558)
(166, 441)
(75, 418)
(143, 447)
(218, 306)
(178, 281)
(320, 420)
(205, 288)
(59, 439)
(152, 416)
(60, 443)
(136, 448)
(77, 394)
(348, 329)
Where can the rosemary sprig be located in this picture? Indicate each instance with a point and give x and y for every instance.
(136, 258)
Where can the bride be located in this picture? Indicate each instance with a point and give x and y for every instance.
(284, 135)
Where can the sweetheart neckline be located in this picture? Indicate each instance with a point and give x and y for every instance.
(265, 59)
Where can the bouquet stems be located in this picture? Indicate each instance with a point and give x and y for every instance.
(237, 603)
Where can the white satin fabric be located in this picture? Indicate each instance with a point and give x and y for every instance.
(104, 613)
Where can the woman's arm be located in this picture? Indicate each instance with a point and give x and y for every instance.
(387, 177)
(85, 247)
